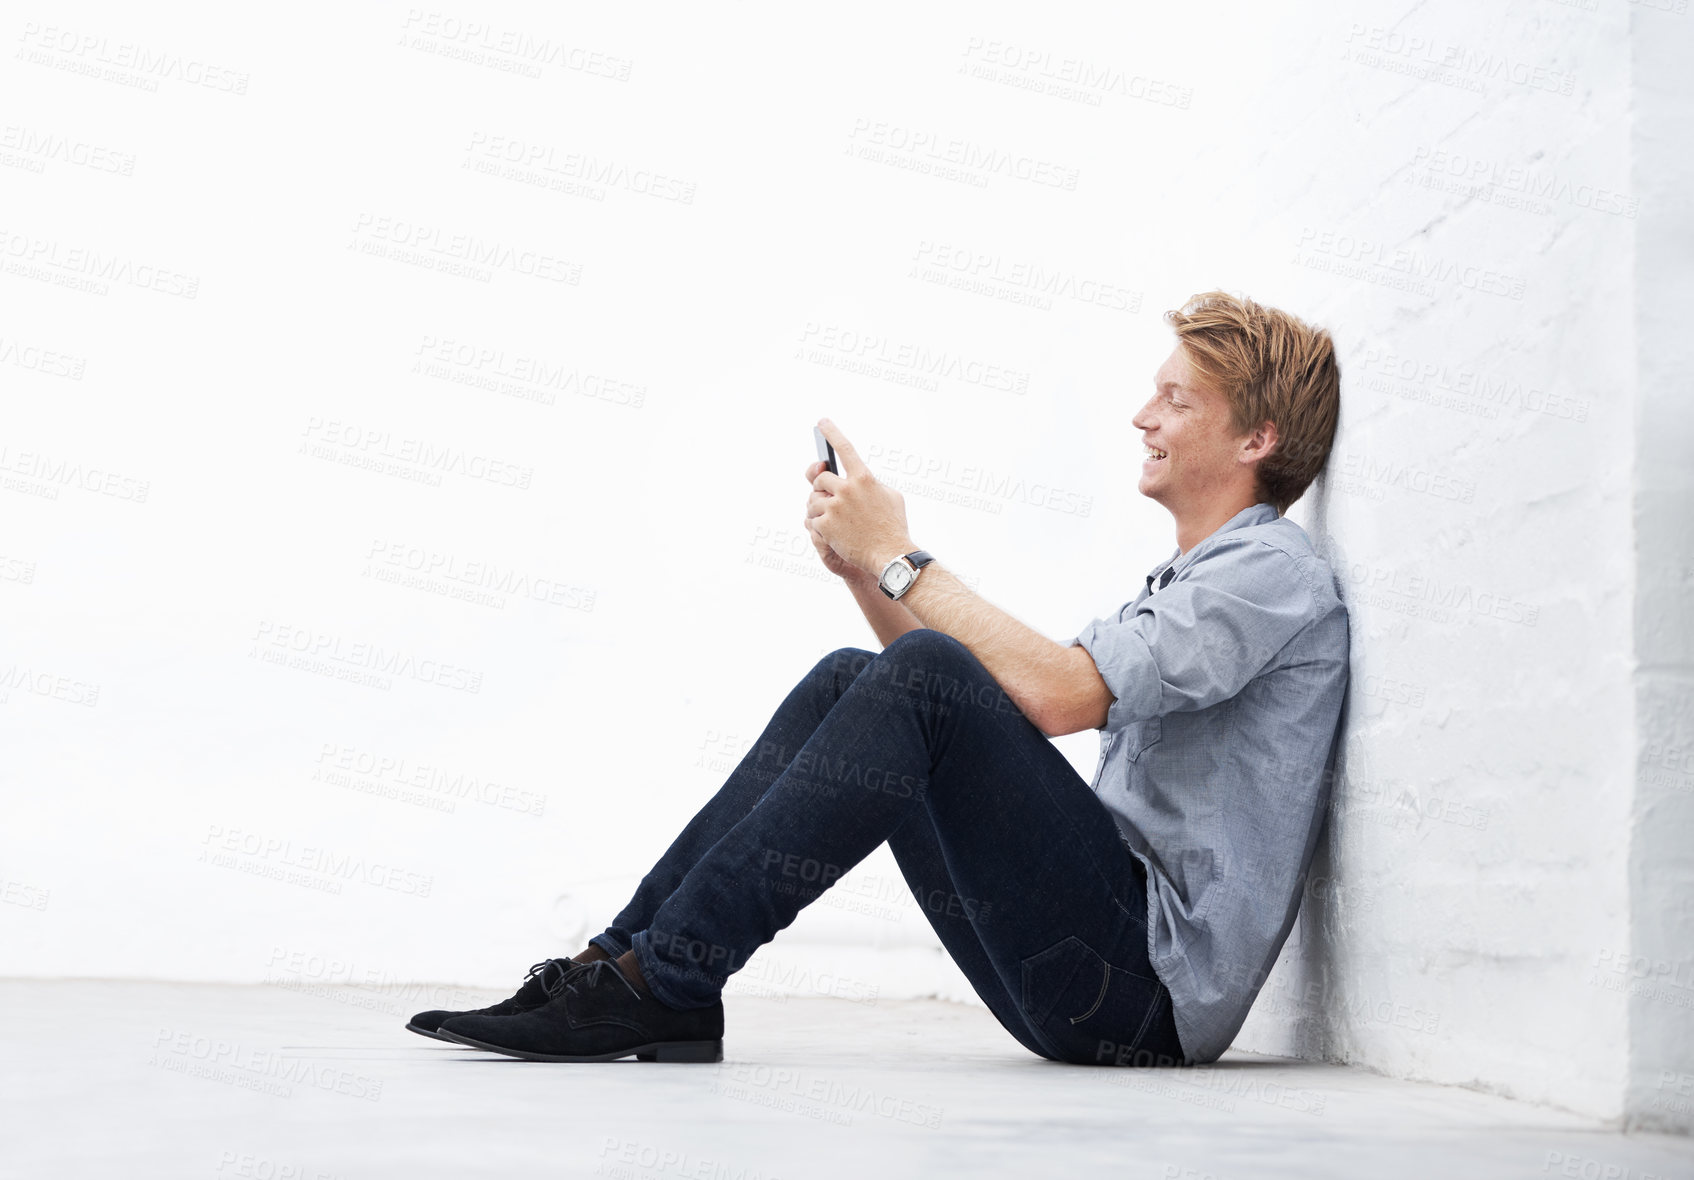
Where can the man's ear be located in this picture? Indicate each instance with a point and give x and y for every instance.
(1259, 444)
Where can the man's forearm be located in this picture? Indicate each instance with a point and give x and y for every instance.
(863, 522)
(1033, 669)
(887, 617)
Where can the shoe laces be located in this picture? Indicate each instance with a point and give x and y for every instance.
(549, 971)
(588, 974)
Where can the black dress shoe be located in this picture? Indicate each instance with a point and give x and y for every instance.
(596, 1015)
(532, 994)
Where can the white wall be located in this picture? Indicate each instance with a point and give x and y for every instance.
(1658, 976)
(229, 302)
(1502, 901)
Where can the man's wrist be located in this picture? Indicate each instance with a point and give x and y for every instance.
(904, 583)
(878, 566)
(859, 577)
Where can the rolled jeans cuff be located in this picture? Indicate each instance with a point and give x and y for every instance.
(609, 944)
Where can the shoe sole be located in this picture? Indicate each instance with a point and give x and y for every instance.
(424, 1032)
(675, 1052)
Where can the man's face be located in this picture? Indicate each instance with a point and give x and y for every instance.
(1190, 425)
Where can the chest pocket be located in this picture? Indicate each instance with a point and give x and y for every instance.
(1141, 735)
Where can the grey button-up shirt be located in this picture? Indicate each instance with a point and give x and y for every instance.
(1216, 756)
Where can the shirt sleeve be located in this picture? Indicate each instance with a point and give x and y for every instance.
(1203, 637)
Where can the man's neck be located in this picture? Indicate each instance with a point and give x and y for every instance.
(1196, 525)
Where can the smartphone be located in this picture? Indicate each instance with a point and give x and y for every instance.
(825, 451)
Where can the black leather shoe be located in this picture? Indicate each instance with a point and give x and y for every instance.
(532, 994)
(596, 1015)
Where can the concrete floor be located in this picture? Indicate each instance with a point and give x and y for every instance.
(134, 1080)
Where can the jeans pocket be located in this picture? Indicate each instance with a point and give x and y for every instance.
(1090, 1010)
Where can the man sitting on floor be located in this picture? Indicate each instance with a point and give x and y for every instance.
(1131, 921)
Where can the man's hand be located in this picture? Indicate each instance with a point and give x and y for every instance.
(832, 561)
(859, 526)
(861, 521)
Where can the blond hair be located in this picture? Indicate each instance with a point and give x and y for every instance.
(1271, 366)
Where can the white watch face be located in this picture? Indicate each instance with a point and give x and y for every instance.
(898, 577)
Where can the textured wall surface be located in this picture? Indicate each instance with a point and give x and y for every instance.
(1658, 975)
(406, 411)
(1478, 511)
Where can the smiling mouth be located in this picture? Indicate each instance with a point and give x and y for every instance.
(1153, 454)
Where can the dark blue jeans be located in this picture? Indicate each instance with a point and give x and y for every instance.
(1015, 862)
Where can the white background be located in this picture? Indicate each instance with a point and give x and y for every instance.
(247, 401)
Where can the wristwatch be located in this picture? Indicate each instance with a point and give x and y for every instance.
(899, 574)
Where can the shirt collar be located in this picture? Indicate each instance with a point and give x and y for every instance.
(1253, 514)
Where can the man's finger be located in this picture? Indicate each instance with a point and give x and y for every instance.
(851, 464)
